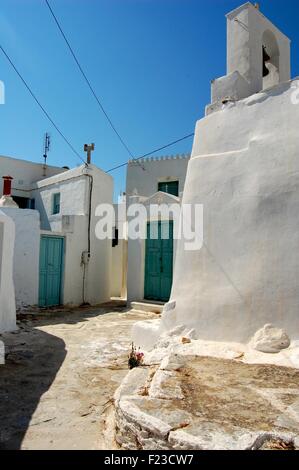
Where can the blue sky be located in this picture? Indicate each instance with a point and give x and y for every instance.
(150, 62)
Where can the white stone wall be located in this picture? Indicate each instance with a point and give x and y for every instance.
(244, 169)
(7, 294)
(26, 254)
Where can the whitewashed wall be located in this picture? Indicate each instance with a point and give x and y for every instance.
(143, 179)
(72, 222)
(244, 169)
(7, 294)
(24, 174)
(143, 176)
(99, 268)
(119, 252)
(26, 254)
(75, 244)
(73, 197)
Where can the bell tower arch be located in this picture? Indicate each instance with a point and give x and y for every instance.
(258, 57)
(256, 48)
(271, 60)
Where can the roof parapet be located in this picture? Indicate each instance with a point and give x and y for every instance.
(160, 158)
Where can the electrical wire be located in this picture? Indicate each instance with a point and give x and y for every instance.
(88, 82)
(40, 105)
(64, 137)
(99, 102)
(153, 151)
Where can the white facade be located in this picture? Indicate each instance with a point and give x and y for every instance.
(143, 178)
(7, 294)
(86, 279)
(86, 261)
(25, 174)
(244, 170)
(26, 254)
(144, 175)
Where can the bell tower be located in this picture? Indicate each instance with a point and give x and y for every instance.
(258, 55)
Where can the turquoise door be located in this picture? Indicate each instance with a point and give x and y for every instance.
(158, 261)
(50, 270)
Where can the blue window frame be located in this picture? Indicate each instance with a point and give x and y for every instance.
(56, 203)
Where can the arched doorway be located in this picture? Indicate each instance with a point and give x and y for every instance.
(270, 51)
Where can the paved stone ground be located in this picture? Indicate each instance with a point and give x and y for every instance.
(60, 376)
(193, 402)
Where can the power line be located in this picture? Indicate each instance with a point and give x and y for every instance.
(153, 151)
(40, 105)
(63, 136)
(99, 102)
(88, 82)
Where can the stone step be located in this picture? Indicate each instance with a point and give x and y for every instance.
(153, 307)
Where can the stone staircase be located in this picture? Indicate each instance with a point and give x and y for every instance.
(147, 306)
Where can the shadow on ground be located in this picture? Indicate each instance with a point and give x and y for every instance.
(28, 373)
(71, 316)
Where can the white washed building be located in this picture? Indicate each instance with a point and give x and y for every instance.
(153, 181)
(244, 169)
(58, 259)
(25, 174)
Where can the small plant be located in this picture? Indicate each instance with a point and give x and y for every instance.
(135, 357)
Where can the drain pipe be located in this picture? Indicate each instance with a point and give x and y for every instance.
(85, 256)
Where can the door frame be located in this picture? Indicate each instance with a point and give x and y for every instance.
(62, 267)
(148, 223)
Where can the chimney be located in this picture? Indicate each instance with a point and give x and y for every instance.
(7, 185)
(88, 149)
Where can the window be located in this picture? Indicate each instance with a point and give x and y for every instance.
(170, 187)
(56, 203)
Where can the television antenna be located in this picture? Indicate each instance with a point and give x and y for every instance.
(47, 142)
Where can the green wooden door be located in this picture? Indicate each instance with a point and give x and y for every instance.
(159, 261)
(50, 270)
